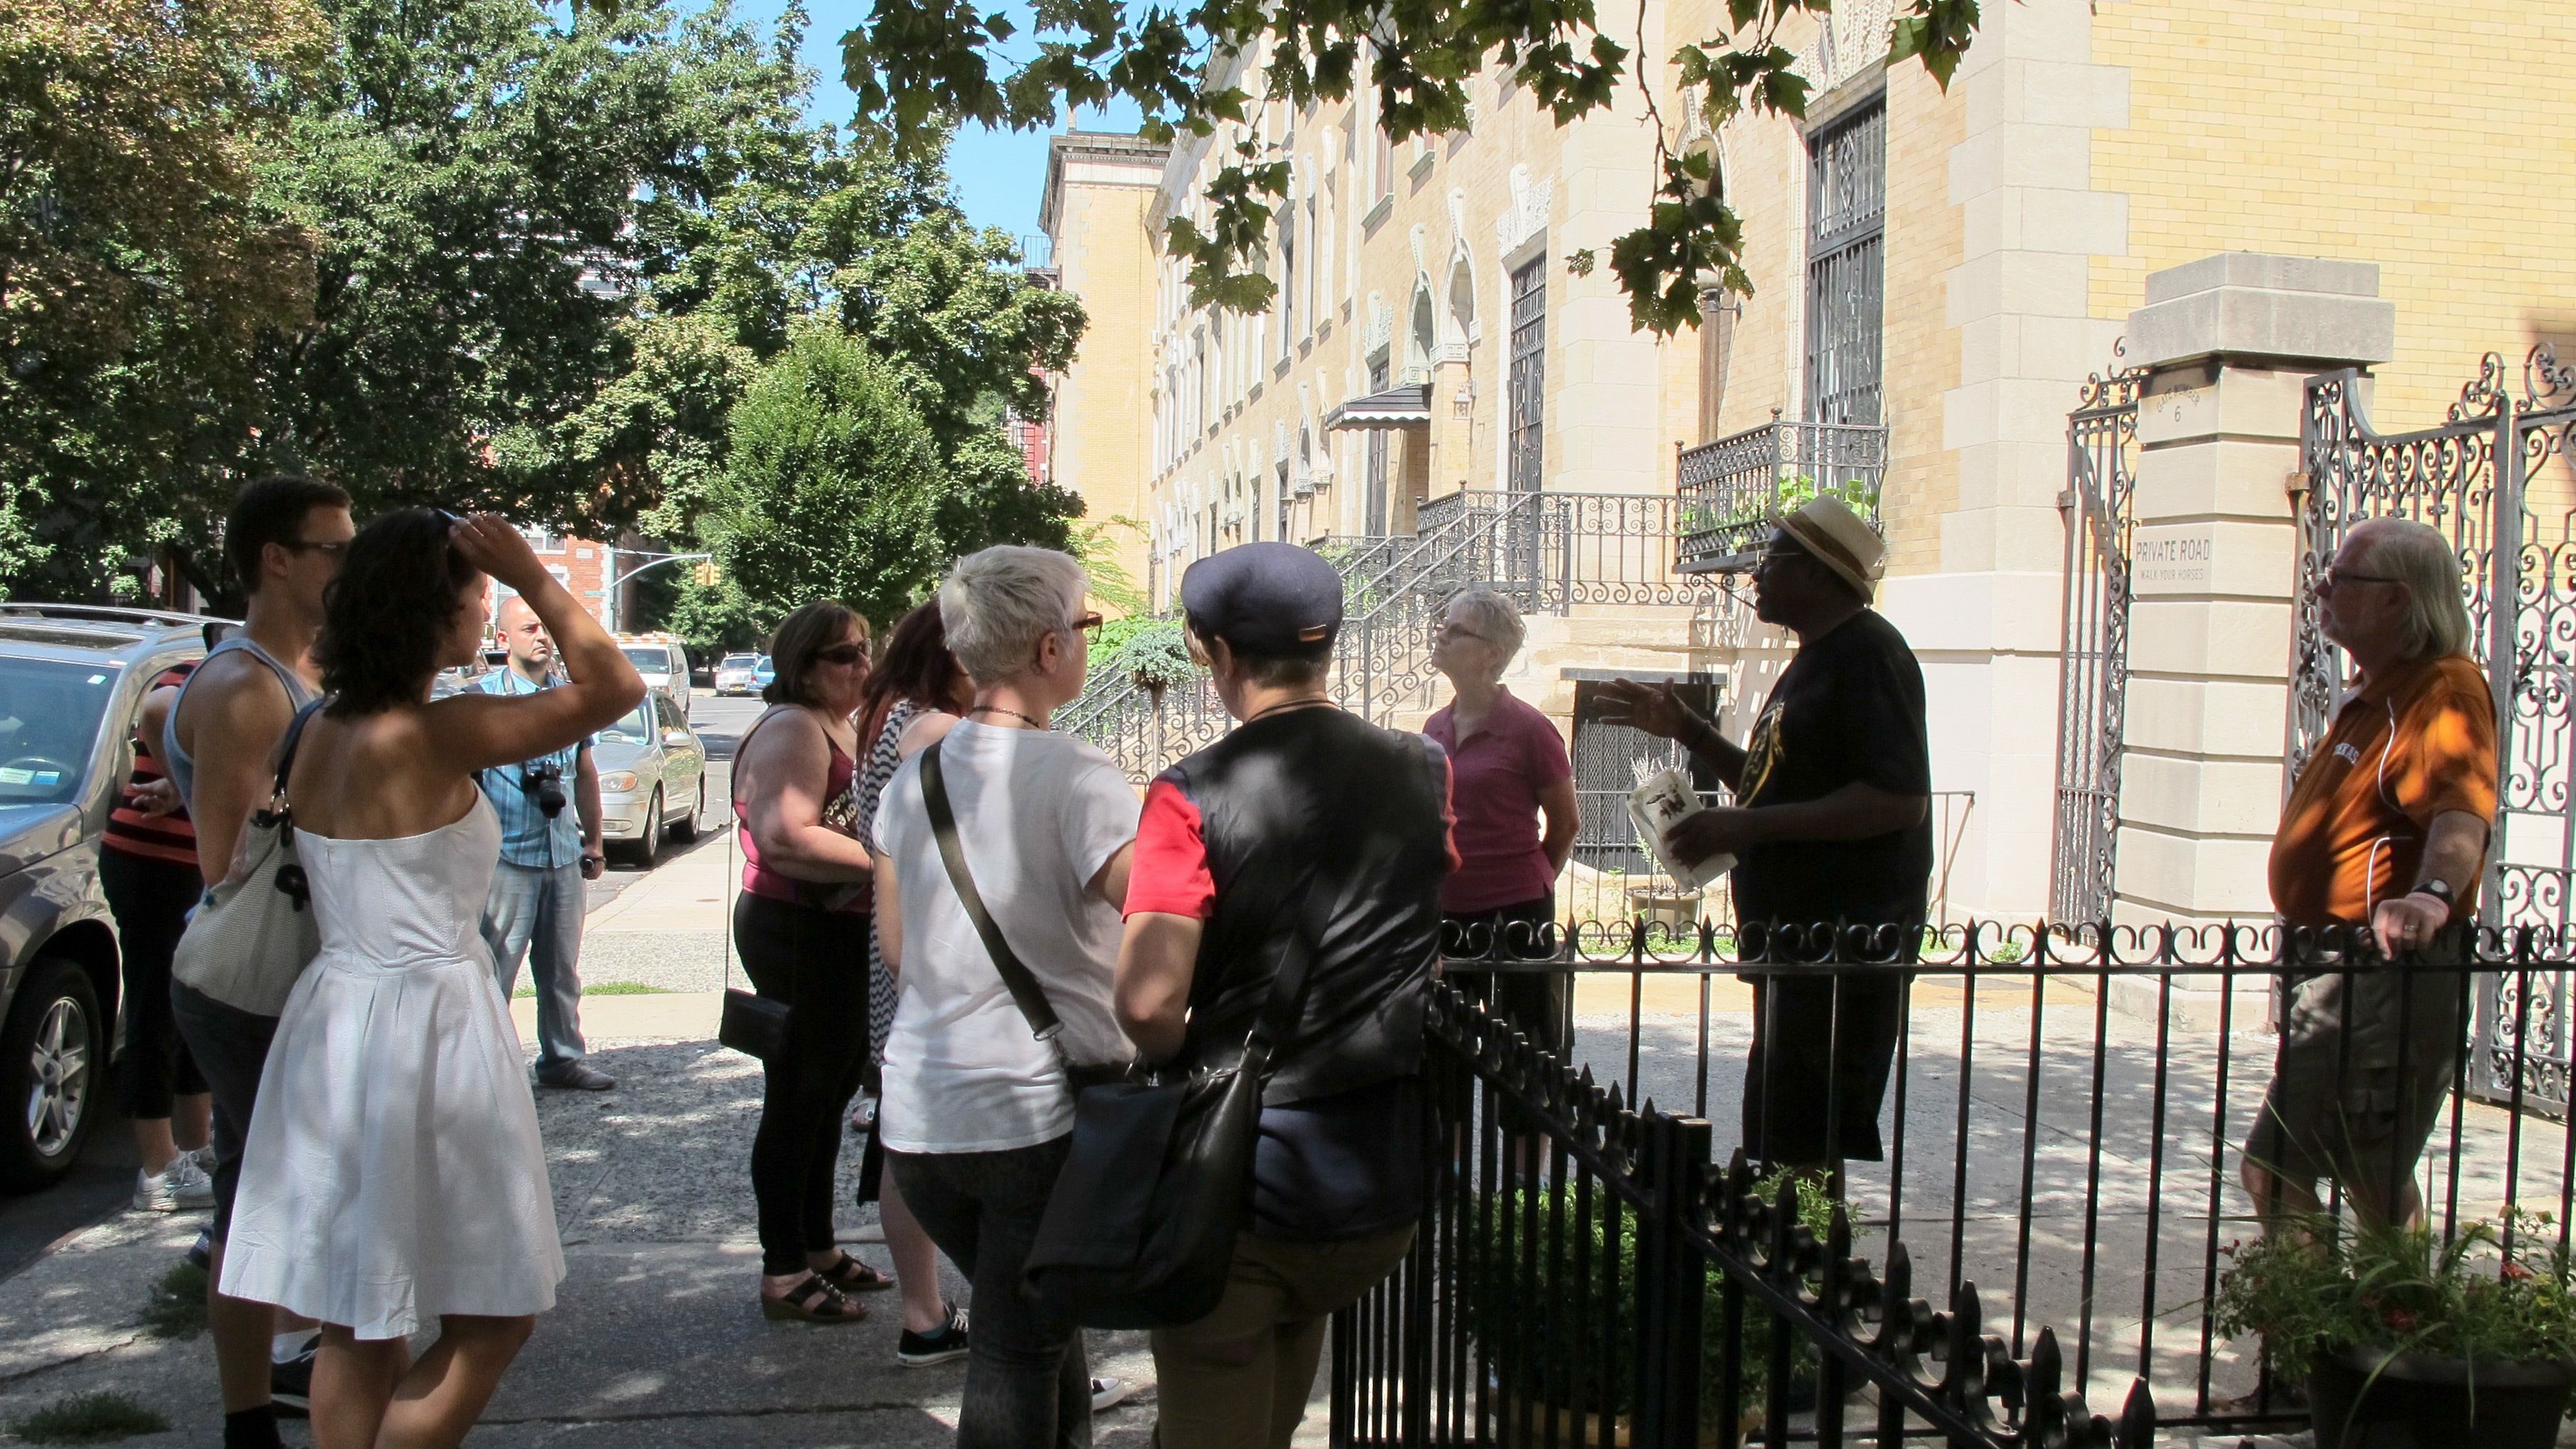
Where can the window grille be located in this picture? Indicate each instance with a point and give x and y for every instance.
(1528, 374)
(1846, 252)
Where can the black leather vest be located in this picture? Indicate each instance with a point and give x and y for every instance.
(1324, 788)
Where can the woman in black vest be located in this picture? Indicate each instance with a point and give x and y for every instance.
(1300, 797)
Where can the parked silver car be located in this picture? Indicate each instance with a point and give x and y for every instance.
(72, 681)
(652, 779)
(734, 674)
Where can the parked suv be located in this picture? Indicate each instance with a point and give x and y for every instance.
(72, 682)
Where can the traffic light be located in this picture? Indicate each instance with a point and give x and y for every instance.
(705, 573)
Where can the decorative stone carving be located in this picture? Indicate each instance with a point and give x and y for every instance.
(1526, 216)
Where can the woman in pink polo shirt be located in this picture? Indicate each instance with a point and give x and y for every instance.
(1508, 769)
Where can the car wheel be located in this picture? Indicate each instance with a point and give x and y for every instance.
(685, 828)
(648, 844)
(51, 1053)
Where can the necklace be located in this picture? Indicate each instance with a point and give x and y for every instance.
(1013, 713)
(1303, 699)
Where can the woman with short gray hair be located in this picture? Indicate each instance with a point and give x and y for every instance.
(977, 1113)
(1508, 770)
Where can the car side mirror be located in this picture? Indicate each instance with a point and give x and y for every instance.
(678, 737)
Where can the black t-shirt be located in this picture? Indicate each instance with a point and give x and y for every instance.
(1849, 708)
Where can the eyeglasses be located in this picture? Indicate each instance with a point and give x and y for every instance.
(1086, 623)
(842, 653)
(328, 548)
(1441, 627)
(2338, 578)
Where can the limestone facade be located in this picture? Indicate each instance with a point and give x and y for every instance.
(2082, 146)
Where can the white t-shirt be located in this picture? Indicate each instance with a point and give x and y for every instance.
(1038, 815)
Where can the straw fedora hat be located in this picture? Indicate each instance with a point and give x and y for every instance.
(1840, 539)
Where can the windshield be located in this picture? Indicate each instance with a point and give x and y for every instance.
(741, 661)
(648, 658)
(632, 728)
(49, 717)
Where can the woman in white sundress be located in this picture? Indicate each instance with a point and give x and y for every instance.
(393, 1176)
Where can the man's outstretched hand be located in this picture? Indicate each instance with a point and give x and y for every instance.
(1653, 708)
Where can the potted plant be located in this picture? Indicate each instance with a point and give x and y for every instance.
(1537, 1337)
(2406, 1339)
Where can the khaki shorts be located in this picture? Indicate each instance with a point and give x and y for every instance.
(2359, 1083)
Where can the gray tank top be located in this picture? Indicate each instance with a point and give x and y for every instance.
(181, 768)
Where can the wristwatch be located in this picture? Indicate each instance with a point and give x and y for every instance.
(2440, 890)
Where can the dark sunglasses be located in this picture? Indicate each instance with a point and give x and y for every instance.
(1088, 623)
(842, 653)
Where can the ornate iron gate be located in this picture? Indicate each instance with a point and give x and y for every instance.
(2092, 694)
(2484, 478)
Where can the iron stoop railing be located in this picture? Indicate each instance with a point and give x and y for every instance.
(1550, 552)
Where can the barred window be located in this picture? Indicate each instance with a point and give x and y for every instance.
(1846, 250)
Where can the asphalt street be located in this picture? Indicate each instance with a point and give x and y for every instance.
(103, 1183)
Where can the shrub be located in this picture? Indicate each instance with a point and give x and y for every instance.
(2316, 1287)
(1535, 1346)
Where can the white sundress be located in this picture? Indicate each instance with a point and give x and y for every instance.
(393, 1171)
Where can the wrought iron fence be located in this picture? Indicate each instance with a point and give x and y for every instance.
(2046, 1234)
(1731, 489)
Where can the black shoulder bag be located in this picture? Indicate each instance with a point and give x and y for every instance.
(1139, 1231)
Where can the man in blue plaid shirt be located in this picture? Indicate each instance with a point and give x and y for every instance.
(547, 854)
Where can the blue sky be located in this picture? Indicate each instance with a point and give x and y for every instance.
(998, 174)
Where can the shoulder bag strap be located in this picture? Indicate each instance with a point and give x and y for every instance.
(286, 746)
(1024, 988)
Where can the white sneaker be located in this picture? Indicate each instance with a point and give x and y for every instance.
(1107, 1394)
(176, 1188)
(205, 1159)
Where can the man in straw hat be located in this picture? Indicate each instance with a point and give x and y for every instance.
(1831, 830)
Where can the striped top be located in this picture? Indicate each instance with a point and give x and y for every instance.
(171, 837)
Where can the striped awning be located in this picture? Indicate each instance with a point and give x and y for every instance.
(1408, 406)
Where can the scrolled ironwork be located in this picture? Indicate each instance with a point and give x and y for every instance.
(2093, 687)
(1939, 1365)
(1732, 489)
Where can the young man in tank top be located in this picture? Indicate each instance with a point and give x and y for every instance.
(284, 539)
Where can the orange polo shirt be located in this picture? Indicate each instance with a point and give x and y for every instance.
(2404, 748)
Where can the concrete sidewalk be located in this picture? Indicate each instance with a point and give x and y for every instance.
(656, 1338)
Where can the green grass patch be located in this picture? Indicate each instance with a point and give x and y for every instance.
(602, 988)
(177, 1308)
(88, 1419)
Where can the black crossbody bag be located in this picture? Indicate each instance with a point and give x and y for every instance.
(1139, 1230)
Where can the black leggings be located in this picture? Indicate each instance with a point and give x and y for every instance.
(817, 962)
(150, 900)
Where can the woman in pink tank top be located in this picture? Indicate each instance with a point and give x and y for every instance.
(801, 926)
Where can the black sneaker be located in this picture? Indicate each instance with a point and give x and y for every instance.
(948, 1344)
(290, 1384)
(201, 1253)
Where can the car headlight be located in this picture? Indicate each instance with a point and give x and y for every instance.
(617, 781)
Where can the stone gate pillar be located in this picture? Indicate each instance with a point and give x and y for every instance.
(2228, 341)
